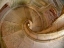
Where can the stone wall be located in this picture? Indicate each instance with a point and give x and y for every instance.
(12, 3)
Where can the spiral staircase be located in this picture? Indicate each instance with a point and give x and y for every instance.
(31, 24)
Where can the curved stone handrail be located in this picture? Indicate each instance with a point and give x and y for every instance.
(47, 36)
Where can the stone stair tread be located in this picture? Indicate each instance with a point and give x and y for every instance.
(27, 43)
(14, 40)
(9, 28)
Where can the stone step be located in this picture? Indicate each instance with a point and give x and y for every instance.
(14, 40)
(8, 28)
(27, 43)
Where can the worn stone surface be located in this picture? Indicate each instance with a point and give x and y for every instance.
(13, 34)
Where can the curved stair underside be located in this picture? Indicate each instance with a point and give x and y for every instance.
(28, 26)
